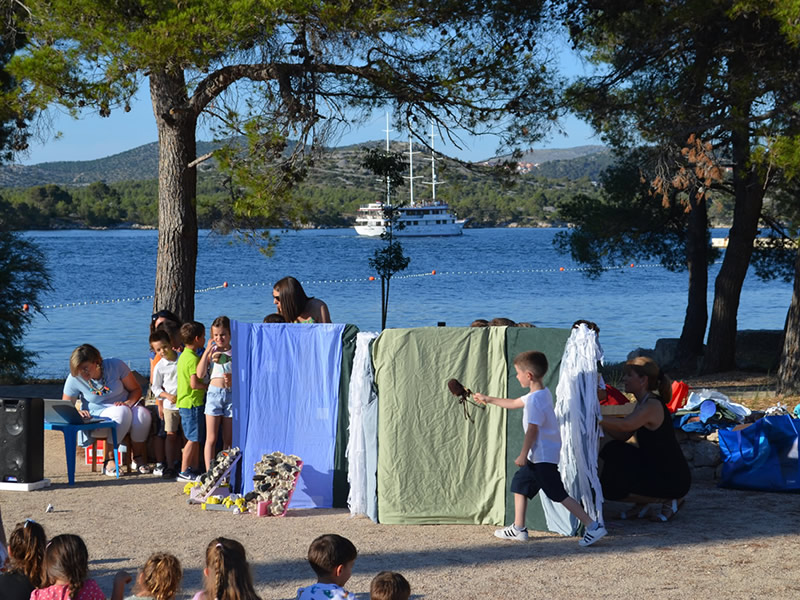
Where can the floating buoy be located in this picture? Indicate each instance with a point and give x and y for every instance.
(371, 278)
(632, 265)
(561, 269)
(224, 284)
(25, 307)
(433, 272)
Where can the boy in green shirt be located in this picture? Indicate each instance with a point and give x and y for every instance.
(190, 399)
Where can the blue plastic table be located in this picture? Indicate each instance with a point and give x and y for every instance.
(71, 441)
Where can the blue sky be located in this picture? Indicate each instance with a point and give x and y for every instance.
(91, 136)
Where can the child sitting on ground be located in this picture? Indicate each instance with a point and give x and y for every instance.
(66, 570)
(388, 585)
(25, 556)
(538, 458)
(332, 557)
(190, 397)
(159, 579)
(165, 388)
(227, 574)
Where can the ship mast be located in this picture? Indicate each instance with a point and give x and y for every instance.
(433, 182)
(411, 175)
(388, 184)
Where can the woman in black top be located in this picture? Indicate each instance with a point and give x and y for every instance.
(656, 468)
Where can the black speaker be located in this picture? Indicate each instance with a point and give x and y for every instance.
(21, 440)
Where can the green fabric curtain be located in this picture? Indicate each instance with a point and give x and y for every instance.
(434, 466)
(521, 339)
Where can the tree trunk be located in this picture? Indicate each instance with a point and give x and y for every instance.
(177, 189)
(384, 300)
(789, 369)
(749, 196)
(690, 345)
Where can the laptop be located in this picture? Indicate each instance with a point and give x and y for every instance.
(63, 412)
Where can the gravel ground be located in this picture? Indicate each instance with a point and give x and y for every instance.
(722, 542)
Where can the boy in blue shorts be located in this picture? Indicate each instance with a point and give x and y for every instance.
(190, 399)
(538, 459)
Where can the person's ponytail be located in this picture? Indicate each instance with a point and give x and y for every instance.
(664, 387)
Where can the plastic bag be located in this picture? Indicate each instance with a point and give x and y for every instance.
(680, 393)
(762, 456)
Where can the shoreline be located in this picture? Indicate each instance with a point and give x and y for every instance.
(467, 225)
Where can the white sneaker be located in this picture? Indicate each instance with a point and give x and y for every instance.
(512, 533)
(592, 535)
(159, 470)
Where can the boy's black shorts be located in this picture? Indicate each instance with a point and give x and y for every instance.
(531, 478)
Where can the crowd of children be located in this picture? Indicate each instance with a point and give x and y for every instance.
(191, 383)
(190, 380)
(58, 569)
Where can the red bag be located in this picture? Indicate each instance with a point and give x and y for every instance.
(680, 394)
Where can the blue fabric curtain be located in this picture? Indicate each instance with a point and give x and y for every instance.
(286, 398)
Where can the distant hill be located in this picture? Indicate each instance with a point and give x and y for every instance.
(551, 154)
(141, 164)
(137, 164)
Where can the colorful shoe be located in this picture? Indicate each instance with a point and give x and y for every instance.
(512, 533)
(187, 475)
(593, 534)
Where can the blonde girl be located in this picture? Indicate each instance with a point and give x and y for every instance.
(227, 574)
(159, 579)
(219, 399)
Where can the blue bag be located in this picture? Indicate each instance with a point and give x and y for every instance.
(762, 456)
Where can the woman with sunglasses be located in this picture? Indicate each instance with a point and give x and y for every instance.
(107, 388)
(293, 305)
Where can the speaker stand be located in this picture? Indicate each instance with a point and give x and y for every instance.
(8, 486)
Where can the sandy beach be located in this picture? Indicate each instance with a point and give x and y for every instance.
(728, 543)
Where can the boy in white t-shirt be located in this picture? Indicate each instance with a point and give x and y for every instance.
(538, 458)
(165, 388)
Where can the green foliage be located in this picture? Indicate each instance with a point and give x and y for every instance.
(389, 166)
(23, 279)
(389, 260)
(23, 273)
(275, 69)
(627, 222)
(301, 69)
(260, 179)
(675, 69)
(591, 166)
(336, 186)
(13, 119)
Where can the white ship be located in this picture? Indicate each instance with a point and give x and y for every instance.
(431, 218)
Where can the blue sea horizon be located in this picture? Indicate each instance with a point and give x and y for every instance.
(103, 285)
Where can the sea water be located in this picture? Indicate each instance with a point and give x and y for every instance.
(103, 284)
